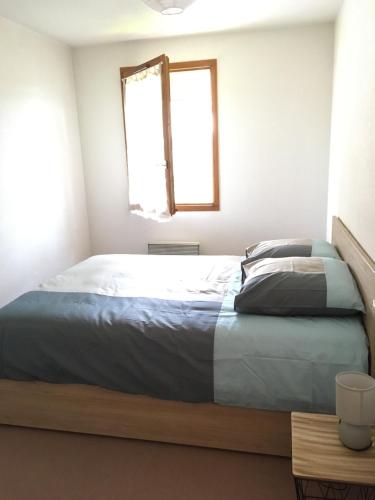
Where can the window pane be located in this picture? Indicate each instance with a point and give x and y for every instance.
(145, 143)
(192, 129)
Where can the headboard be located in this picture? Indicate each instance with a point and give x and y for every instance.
(363, 269)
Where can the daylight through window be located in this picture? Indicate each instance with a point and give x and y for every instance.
(170, 116)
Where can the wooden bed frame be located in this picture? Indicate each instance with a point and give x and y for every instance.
(92, 410)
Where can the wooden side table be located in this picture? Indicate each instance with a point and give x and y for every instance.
(323, 467)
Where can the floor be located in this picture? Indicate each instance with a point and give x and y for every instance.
(48, 465)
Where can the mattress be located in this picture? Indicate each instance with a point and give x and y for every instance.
(165, 326)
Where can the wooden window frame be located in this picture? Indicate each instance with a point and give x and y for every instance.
(210, 64)
(166, 98)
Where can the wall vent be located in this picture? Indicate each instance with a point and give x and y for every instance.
(173, 248)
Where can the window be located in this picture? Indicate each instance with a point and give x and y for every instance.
(170, 118)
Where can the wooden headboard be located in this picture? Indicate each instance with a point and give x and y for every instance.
(363, 269)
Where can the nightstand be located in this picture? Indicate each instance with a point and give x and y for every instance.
(323, 467)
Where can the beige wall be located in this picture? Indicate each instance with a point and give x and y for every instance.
(274, 91)
(43, 221)
(352, 164)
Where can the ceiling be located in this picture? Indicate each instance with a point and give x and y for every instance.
(83, 22)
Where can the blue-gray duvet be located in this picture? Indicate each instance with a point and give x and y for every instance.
(165, 326)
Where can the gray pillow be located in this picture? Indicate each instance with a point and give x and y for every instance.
(298, 286)
(291, 248)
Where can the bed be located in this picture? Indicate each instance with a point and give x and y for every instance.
(71, 399)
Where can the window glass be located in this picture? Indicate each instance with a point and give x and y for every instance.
(192, 136)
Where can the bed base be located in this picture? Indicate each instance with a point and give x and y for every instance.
(92, 410)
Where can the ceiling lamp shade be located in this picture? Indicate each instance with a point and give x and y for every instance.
(169, 7)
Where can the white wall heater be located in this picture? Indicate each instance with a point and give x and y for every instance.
(173, 248)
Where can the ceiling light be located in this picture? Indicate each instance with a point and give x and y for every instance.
(169, 7)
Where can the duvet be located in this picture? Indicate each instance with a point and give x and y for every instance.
(165, 326)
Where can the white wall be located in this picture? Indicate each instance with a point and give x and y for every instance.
(352, 165)
(274, 120)
(43, 220)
